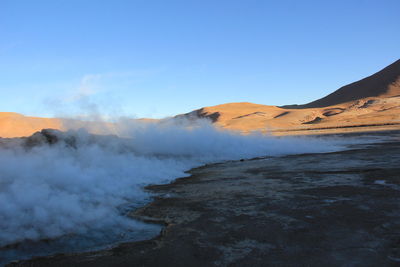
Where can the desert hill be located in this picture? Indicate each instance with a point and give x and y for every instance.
(373, 102)
(15, 125)
(370, 102)
(246, 117)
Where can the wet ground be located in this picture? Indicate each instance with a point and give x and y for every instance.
(331, 209)
(96, 239)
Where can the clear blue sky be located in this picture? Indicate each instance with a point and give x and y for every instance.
(159, 58)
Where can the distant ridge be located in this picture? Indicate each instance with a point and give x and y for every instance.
(370, 104)
(385, 83)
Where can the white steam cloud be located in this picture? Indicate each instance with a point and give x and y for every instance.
(48, 191)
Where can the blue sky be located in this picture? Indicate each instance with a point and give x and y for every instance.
(161, 58)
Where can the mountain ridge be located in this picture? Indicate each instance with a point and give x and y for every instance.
(384, 83)
(371, 101)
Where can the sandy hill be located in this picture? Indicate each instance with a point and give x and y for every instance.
(246, 117)
(370, 102)
(15, 125)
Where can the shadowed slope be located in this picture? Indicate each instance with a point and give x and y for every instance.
(384, 83)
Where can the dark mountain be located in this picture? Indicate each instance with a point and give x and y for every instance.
(385, 83)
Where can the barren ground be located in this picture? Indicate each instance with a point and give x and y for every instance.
(331, 209)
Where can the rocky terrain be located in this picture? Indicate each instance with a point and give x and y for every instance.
(330, 209)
